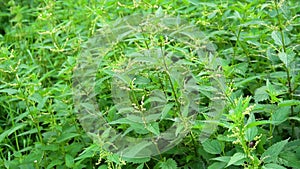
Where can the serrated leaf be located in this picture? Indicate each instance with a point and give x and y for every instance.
(261, 94)
(285, 58)
(289, 159)
(36, 97)
(293, 145)
(169, 164)
(280, 115)
(236, 159)
(272, 152)
(212, 146)
(277, 38)
(289, 103)
(240, 68)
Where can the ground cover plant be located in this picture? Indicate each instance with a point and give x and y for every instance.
(254, 78)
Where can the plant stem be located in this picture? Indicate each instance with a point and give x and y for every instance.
(195, 145)
(169, 78)
(290, 89)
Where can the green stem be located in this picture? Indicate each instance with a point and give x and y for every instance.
(195, 145)
(162, 85)
(169, 78)
(290, 89)
(13, 125)
(35, 122)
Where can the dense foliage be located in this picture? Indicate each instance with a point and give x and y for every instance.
(257, 46)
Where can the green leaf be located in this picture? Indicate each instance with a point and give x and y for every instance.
(240, 68)
(50, 147)
(285, 58)
(132, 119)
(289, 103)
(88, 152)
(169, 164)
(280, 115)
(104, 166)
(36, 97)
(212, 146)
(152, 117)
(166, 110)
(258, 123)
(224, 159)
(236, 159)
(217, 165)
(289, 158)
(273, 166)
(261, 94)
(11, 130)
(56, 162)
(159, 12)
(31, 131)
(114, 158)
(179, 130)
(141, 166)
(246, 81)
(69, 160)
(272, 152)
(153, 128)
(250, 133)
(138, 150)
(9, 91)
(66, 136)
(277, 38)
(137, 160)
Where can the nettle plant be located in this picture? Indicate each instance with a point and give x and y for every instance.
(263, 128)
(165, 78)
(144, 82)
(234, 104)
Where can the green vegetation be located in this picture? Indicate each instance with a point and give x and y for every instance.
(257, 46)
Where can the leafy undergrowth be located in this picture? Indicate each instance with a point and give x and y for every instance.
(257, 46)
